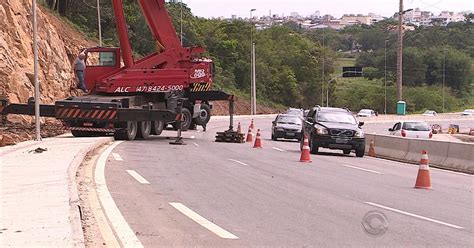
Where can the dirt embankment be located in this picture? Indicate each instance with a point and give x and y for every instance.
(58, 45)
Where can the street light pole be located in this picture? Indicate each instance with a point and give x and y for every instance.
(35, 72)
(444, 73)
(400, 53)
(323, 71)
(254, 81)
(251, 65)
(98, 22)
(385, 79)
(181, 23)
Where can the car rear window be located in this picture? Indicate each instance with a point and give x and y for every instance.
(416, 126)
(338, 117)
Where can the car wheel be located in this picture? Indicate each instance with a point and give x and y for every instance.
(360, 153)
(347, 152)
(274, 137)
(313, 148)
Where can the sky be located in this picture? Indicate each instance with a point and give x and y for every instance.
(241, 8)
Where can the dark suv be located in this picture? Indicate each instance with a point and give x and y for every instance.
(334, 128)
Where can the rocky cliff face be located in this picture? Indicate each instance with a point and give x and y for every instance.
(58, 44)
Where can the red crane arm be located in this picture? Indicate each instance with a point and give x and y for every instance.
(160, 23)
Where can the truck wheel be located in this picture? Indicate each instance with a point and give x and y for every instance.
(130, 133)
(144, 129)
(158, 127)
(360, 152)
(187, 117)
(204, 115)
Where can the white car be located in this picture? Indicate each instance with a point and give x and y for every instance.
(430, 113)
(412, 129)
(366, 113)
(468, 112)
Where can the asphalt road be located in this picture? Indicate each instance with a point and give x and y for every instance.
(244, 197)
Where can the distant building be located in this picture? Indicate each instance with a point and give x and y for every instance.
(446, 17)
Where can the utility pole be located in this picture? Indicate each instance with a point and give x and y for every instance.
(98, 22)
(385, 80)
(181, 23)
(400, 53)
(35, 72)
(251, 64)
(323, 72)
(444, 73)
(254, 81)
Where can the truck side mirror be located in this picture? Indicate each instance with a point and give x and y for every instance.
(361, 123)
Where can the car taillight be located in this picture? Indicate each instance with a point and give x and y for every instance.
(431, 135)
(404, 134)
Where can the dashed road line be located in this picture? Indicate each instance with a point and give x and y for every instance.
(195, 144)
(137, 177)
(117, 156)
(193, 137)
(362, 169)
(414, 215)
(203, 221)
(278, 149)
(237, 161)
(123, 231)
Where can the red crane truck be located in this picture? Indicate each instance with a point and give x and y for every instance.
(137, 98)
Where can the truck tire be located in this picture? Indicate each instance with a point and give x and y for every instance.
(204, 115)
(144, 129)
(129, 133)
(187, 117)
(158, 127)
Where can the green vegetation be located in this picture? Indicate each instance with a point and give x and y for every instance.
(289, 60)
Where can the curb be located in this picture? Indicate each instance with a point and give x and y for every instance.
(74, 214)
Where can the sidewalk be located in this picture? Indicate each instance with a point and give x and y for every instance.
(38, 195)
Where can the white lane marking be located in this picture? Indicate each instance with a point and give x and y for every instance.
(203, 221)
(278, 149)
(237, 161)
(414, 215)
(196, 144)
(192, 137)
(123, 231)
(117, 156)
(137, 177)
(362, 169)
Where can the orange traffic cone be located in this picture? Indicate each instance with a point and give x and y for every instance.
(305, 156)
(423, 179)
(372, 149)
(258, 140)
(239, 128)
(251, 125)
(249, 136)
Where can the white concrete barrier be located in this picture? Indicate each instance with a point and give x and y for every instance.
(449, 155)
(460, 157)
